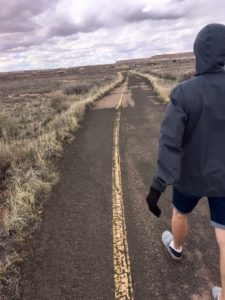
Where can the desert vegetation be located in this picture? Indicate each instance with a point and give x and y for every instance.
(35, 120)
(166, 71)
(162, 86)
(163, 77)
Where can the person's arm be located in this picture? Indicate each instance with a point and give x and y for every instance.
(170, 148)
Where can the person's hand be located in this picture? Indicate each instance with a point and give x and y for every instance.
(152, 200)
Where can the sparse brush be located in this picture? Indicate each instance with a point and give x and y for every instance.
(26, 160)
(5, 159)
(162, 87)
(9, 273)
(59, 101)
(77, 89)
(9, 125)
(176, 75)
(185, 76)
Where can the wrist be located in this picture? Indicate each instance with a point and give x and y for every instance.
(154, 192)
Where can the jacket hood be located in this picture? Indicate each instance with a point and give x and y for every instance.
(209, 49)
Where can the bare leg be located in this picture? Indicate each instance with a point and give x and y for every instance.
(220, 236)
(179, 228)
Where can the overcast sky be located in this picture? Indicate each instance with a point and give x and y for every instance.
(37, 34)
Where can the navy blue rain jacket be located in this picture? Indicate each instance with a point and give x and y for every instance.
(192, 139)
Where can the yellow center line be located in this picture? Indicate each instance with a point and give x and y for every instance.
(121, 97)
(121, 259)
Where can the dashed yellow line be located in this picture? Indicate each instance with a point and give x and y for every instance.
(122, 270)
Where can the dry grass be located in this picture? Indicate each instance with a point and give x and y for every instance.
(178, 75)
(177, 69)
(29, 142)
(162, 86)
(77, 89)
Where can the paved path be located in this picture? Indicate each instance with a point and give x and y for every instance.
(97, 239)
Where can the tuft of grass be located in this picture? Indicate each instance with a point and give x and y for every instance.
(9, 274)
(61, 102)
(185, 75)
(9, 125)
(77, 89)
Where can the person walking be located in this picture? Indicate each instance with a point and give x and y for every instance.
(191, 155)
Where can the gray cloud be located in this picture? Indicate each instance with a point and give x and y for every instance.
(65, 27)
(155, 15)
(22, 22)
(19, 16)
(92, 22)
(92, 31)
(10, 9)
(30, 17)
(174, 10)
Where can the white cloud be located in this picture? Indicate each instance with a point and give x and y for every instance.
(63, 33)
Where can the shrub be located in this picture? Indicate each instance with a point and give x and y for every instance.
(9, 126)
(77, 89)
(59, 102)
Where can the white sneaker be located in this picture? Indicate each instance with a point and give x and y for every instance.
(167, 238)
(216, 292)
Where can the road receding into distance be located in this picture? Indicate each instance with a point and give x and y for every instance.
(97, 239)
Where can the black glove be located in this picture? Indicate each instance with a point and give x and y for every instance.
(152, 200)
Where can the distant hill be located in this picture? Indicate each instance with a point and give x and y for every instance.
(133, 61)
(161, 57)
(185, 55)
(92, 70)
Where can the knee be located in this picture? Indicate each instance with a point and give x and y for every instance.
(220, 236)
(179, 215)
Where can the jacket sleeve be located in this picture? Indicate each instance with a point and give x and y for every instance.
(170, 142)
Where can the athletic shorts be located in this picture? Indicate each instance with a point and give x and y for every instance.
(185, 203)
